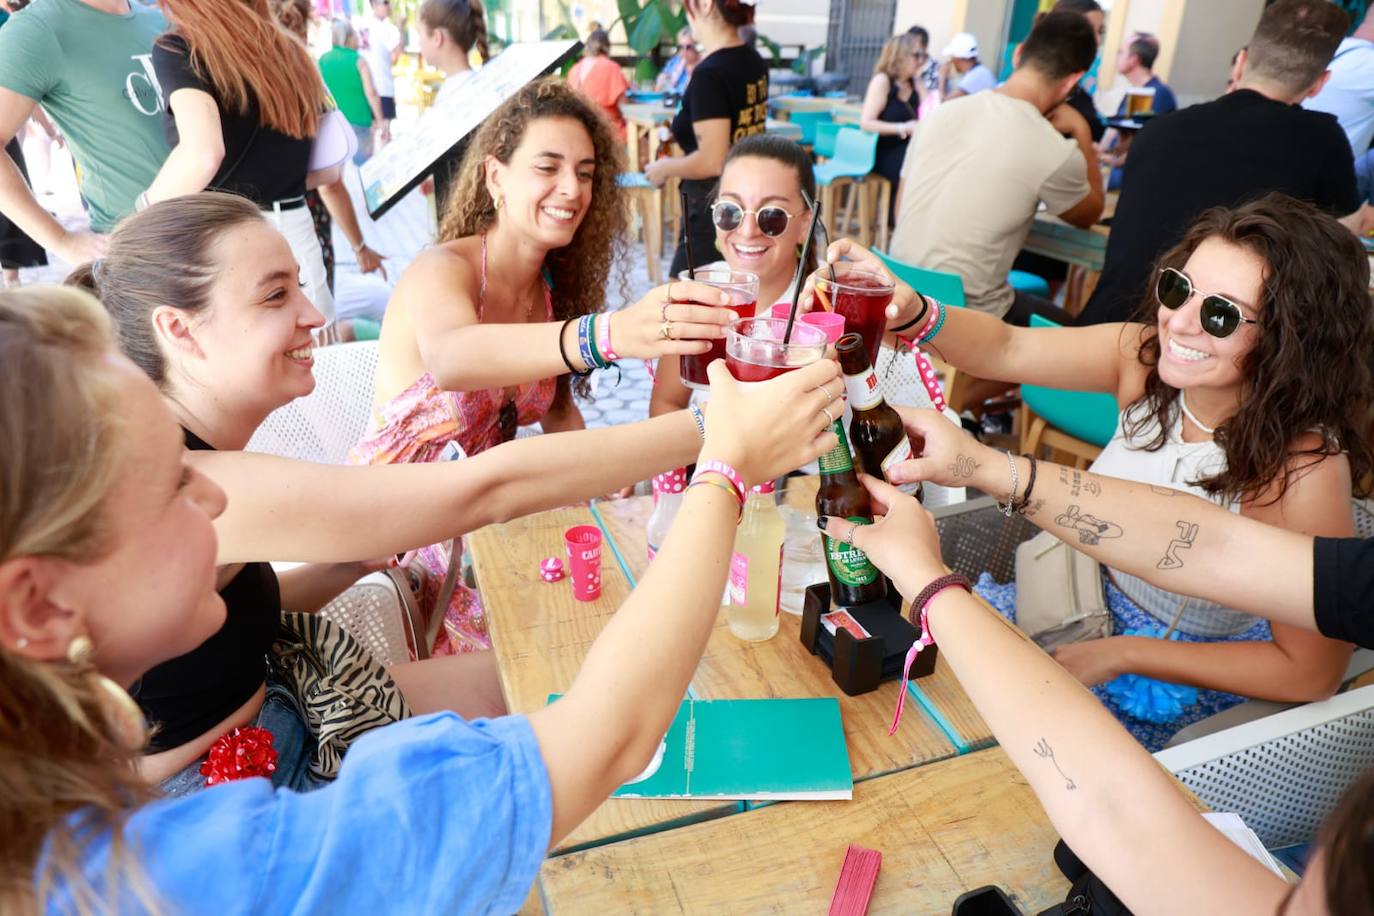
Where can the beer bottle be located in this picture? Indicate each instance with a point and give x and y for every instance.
(853, 577)
(879, 439)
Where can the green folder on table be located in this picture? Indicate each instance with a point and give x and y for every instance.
(751, 749)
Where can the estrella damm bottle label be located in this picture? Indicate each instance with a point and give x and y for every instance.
(850, 565)
(837, 460)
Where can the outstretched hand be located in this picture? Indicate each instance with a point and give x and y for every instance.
(902, 541)
(680, 318)
(905, 302)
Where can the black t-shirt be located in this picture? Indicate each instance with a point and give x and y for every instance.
(1081, 102)
(1343, 589)
(1220, 153)
(729, 83)
(259, 163)
(191, 694)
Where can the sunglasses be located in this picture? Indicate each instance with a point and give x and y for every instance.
(1220, 316)
(728, 216)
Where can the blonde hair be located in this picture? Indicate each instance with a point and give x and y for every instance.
(897, 47)
(66, 777)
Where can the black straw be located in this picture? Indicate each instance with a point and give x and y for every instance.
(796, 287)
(687, 234)
(825, 234)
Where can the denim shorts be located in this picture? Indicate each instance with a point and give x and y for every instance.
(291, 737)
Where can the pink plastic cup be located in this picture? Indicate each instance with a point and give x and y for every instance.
(584, 561)
(832, 323)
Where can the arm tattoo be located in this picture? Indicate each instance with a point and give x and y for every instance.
(1090, 528)
(1043, 750)
(1187, 533)
(1163, 491)
(963, 467)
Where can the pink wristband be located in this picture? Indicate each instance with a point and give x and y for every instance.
(603, 339)
(928, 378)
(724, 470)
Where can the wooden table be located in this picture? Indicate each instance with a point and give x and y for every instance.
(942, 829)
(1052, 237)
(782, 667)
(541, 636)
(643, 118)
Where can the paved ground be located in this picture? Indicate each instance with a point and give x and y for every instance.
(399, 235)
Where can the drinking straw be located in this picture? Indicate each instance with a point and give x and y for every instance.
(825, 234)
(796, 287)
(687, 236)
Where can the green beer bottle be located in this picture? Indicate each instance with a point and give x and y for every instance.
(853, 577)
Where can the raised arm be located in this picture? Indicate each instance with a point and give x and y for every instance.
(1103, 792)
(199, 153)
(281, 509)
(1097, 358)
(633, 679)
(713, 142)
(465, 355)
(1169, 538)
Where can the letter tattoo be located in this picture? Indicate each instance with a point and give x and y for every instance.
(1043, 749)
(1187, 533)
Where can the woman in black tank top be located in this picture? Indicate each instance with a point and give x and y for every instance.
(890, 108)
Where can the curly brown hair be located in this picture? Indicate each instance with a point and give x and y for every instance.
(1308, 370)
(581, 269)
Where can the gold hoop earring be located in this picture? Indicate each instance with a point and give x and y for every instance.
(500, 201)
(122, 714)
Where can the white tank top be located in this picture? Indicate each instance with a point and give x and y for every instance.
(1174, 465)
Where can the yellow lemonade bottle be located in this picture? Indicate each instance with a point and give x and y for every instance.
(756, 568)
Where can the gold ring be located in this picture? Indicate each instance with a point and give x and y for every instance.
(827, 413)
(665, 331)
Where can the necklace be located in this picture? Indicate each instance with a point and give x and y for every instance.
(1183, 402)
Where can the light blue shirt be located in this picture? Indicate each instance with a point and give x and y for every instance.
(976, 80)
(1349, 94)
(430, 815)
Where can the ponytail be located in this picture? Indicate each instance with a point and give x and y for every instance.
(464, 21)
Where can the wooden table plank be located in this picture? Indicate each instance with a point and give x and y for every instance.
(782, 667)
(541, 635)
(1054, 238)
(942, 830)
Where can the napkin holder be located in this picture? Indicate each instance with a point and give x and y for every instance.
(859, 665)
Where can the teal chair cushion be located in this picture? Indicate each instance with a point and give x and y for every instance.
(1029, 283)
(1087, 415)
(827, 135)
(946, 287)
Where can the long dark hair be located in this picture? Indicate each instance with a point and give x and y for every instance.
(787, 153)
(1348, 840)
(1308, 370)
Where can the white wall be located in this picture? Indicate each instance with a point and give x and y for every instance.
(937, 16)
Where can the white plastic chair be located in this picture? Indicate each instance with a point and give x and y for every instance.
(902, 385)
(380, 611)
(1282, 774)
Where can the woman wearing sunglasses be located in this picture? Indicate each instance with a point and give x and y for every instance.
(1245, 384)
(761, 215)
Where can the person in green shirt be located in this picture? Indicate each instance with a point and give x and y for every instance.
(88, 63)
(349, 80)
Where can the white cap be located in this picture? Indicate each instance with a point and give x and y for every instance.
(962, 45)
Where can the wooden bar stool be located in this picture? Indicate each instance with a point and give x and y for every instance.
(648, 201)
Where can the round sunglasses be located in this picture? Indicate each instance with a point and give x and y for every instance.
(1220, 316)
(728, 216)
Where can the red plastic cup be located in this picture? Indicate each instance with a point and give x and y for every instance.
(832, 323)
(584, 561)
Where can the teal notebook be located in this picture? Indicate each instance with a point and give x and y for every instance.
(750, 749)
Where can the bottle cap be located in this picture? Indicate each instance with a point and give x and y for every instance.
(674, 481)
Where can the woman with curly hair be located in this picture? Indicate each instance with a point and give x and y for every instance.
(484, 328)
(1245, 383)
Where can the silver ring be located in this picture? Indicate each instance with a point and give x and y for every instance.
(849, 537)
(827, 413)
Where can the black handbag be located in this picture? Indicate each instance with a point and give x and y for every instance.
(1088, 896)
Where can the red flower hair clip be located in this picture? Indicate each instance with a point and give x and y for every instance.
(241, 754)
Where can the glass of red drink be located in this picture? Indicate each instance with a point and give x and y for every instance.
(755, 352)
(862, 297)
(742, 287)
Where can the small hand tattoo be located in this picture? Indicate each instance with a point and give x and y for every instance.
(1187, 533)
(1043, 749)
(963, 466)
(1091, 529)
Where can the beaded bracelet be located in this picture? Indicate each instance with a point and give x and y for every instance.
(580, 373)
(700, 419)
(922, 602)
(939, 323)
(724, 470)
